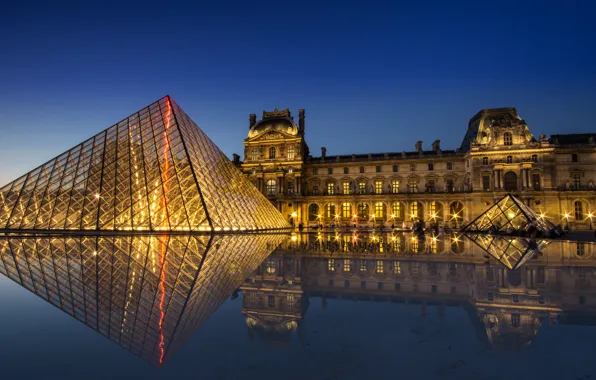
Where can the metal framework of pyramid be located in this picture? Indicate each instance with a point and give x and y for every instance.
(153, 171)
(513, 252)
(507, 212)
(147, 294)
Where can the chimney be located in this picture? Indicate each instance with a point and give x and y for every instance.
(236, 160)
(323, 152)
(419, 146)
(437, 146)
(252, 120)
(301, 121)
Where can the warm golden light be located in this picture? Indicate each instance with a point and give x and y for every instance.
(96, 196)
(511, 215)
(294, 237)
(294, 214)
(566, 215)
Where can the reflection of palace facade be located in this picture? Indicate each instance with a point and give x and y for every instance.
(557, 285)
(499, 154)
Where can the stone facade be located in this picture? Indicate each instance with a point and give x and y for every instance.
(499, 154)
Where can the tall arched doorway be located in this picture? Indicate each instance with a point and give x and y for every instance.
(510, 181)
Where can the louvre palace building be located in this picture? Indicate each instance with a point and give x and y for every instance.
(499, 154)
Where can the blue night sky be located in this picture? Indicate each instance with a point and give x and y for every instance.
(373, 76)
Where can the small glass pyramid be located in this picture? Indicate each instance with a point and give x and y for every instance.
(153, 171)
(507, 212)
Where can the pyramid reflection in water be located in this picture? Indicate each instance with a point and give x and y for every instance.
(153, 171)
(510, 251)
(146, 293)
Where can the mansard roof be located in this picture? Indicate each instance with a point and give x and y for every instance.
(573, 139)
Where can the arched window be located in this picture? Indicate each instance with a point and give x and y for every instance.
(313, 212)
(579, 210)
(363, 211)
(507, 138)
(396, 210)
(254, 154)
(290, 152)
(435, 211)
(395, 168)
(330, 211)
(510, 181)
(271, 187)
(272, 152)
(346, 210)
(379, 210)
(271, 265)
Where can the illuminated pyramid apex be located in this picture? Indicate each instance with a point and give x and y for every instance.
(153, 171)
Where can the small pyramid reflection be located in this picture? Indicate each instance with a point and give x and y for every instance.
(508, 212)
(513, 252)
(145, 293)
(153, 171)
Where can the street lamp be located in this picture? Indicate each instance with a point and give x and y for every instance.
(566, 216)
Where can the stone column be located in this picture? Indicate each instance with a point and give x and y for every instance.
(280, 188)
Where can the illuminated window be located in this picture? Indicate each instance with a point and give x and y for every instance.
(330, 188)
(509, 159)
(330, 171)
(431, 166)
(346, 187)
(331, 265)
(254, 154)
(378, 187)
(433, 208)
(290, 299)
(449, 166)
(271, 187)
(507, 138)
(412, 167)
(362, 265)
(347, 265)
(396, 210)
(361, 187)
(272, 152)
(395, 168)
(330, 211)
(433, 246)
(380, 266)
(346, 210)
(396, 267)
(395, 186)
(414, 209)
(346, 170)
(363, 210)
(485, 161)
(576, 180)
(579, 210)
(380, 210)
(534, 158)
(271, 265)
(378, 169)
(290, 152)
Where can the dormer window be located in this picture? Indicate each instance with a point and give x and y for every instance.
(272, 152)
(507, 138)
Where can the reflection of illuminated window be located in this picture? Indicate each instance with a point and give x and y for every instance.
(433, 246)
(414, 245)
(396, 209)
(515, 319)
(270, 301)
(331, 265)
(362, 265)
(361, 187)
(347, 265)
(396, 267)
(380, 266)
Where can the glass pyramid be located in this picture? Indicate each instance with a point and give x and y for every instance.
(507, 212)
(145, 293)
(513, 252)
(153, 171)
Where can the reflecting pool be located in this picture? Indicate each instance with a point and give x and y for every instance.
(336, 305)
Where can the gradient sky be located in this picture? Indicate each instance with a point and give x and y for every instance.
(373, 76)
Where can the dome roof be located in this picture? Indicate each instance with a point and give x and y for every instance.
(280, 121)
